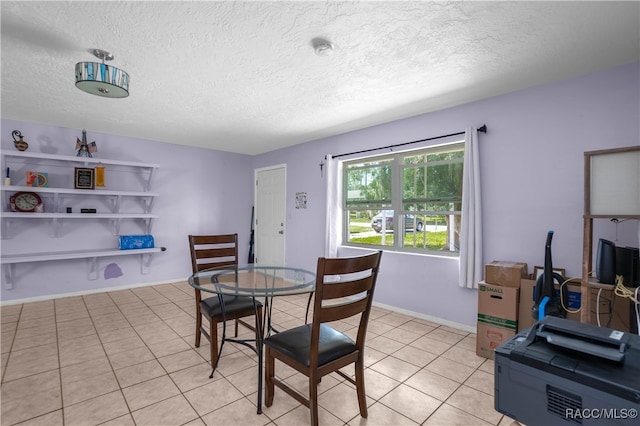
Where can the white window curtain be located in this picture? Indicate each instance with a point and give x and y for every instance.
(334, 211)
(471, 227)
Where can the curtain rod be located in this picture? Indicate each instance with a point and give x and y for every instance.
(482, 129)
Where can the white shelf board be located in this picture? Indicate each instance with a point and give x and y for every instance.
(51, 190)
(18, 215)
(92, 255)
(74, 254)
(82, 160)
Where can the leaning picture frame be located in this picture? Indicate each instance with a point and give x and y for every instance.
(539, 270)
(84, 178)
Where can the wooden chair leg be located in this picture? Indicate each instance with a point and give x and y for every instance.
(269, 373)
(362, 400)
(213, 342)
(258, 325)
(198, 326)
(313, 400)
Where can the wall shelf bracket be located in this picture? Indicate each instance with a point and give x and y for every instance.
(93, 268)
(8, 276)
(145, 262)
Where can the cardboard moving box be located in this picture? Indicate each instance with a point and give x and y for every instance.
(497, 317)
(527, 300)
(505, 273)
(613, 311)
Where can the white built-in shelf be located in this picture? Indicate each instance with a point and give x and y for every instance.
(55, 210)
(58, 218)
(82, 160)
(59, 194)
(35, 157)
(92, 255)
(82, 192)
(74, 254)
(20, 215)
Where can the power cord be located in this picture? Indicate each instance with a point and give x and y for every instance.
(637, 312)
(569, 280)
(622, 291)
(598, 307)
(575, 311)
(610, 307)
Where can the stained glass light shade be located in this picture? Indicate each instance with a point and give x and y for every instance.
(102, 80)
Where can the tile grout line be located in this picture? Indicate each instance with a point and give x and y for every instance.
(55, 321)
(182, 308)
(155, 357)
(13, 339)
(107, 355)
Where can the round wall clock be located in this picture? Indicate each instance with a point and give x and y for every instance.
(24, 201)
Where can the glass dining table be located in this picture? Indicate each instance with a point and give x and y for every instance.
(262, 283)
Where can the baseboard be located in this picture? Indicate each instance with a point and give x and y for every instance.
(84, 293)
(452, 324)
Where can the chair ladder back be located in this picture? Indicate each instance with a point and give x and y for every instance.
(205, 254)
(339, 266)
(213, 253)
(337, 289)
(214, 239)
(209, 264)
(342, 311)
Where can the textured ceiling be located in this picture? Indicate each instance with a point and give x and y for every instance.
(243, 77)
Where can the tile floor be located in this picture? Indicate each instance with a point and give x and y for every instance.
(127, 357)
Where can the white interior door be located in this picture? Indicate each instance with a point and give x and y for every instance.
(270, 223)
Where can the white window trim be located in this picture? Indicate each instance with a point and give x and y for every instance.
(396, 202)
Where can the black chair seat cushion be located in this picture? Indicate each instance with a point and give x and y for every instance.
(232, 304)
(295, 344)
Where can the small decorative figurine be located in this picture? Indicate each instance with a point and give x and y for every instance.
(85, 149)
(20, 145)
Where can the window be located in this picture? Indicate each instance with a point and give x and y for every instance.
(410, 201)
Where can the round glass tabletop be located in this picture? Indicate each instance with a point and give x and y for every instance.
(254, 280)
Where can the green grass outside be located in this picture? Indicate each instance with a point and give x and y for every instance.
(367, 222)
(434, 240)
(358, 229)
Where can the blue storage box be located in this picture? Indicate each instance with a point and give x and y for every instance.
(130, 242)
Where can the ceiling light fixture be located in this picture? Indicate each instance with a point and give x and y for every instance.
(101, 79)
(321, 46)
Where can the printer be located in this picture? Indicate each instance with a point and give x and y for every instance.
(562, 372)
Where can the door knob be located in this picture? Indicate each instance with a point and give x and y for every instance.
(281, 232)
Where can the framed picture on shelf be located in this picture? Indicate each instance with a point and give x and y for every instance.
(84, 178)
(539, 270)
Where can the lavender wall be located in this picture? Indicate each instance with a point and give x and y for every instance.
(200, 191)
(532, 181)
(532, 170)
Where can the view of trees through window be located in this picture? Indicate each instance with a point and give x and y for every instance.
(408, 201)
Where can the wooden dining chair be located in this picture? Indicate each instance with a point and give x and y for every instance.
(210, 251)
(344, 288)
